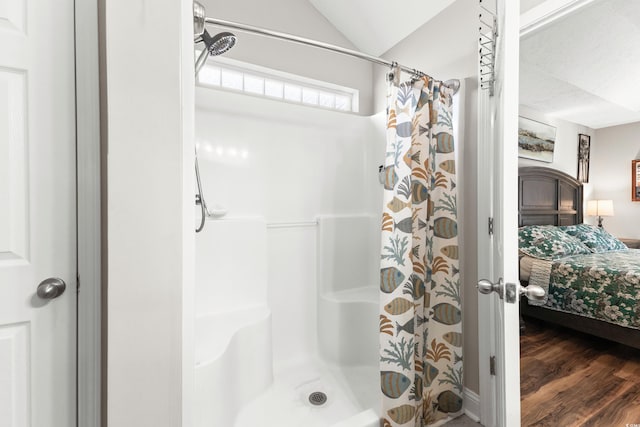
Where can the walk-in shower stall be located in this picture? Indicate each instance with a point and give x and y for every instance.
(287, 304)
(287, 257)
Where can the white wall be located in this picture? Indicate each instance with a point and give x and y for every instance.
(298, 18)
(565, 155)
(149, 83)
(611, 156)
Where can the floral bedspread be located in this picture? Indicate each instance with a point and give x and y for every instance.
(604, 286)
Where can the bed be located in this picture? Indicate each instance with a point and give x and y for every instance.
(596, 293)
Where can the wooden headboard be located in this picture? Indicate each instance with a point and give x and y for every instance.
(548, 197)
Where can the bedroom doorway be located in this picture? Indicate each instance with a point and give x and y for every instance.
(557, 92)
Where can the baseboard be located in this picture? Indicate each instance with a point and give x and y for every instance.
(472, 405)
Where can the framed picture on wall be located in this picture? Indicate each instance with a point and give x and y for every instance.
(584, 153)
(635, 180)
(536, 140)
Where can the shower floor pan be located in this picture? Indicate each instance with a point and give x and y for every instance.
(287, 402)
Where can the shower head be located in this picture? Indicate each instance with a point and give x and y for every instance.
(218, 44)
(214, 46)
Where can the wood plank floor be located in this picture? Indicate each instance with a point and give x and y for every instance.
(572, 379)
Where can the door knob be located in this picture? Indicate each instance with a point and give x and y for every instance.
(532, 292)
(508, 291)
(51, 288)
(486, 287)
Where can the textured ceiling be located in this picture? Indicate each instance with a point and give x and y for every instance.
(376, 26)
(583, 68)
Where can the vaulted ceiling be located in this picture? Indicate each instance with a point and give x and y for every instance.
(376, 26)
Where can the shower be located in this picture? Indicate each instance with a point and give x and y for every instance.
(214, 46)
(288, 316)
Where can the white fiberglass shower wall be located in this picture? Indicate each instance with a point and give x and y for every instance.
(287, 276)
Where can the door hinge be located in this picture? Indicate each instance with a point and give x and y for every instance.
(492, 365)
(78, 283)
(490, 226)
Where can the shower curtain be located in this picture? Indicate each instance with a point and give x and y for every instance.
(420, 306)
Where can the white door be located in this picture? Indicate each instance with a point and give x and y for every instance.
(498, 252)
(37, 213)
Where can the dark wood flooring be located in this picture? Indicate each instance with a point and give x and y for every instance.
(572, 379)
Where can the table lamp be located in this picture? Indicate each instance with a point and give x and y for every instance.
(600, 208)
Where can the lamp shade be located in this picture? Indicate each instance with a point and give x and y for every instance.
(600, 208)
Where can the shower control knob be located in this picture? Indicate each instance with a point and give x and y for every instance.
(51, 288)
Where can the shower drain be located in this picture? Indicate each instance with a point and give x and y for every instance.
(317, 398)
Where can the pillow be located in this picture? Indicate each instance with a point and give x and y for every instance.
(595, 238)
(548, 242)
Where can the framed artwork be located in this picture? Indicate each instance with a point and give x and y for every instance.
(584, 151)
(635, 180)
(536, 140)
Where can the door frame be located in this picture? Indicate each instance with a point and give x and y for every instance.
(88, 202)
(548, 12)
(486, 306)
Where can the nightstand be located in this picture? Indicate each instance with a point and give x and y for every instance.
(631, 243)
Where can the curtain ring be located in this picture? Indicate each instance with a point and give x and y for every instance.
(394, 75)
(390, 76)
(415, 75)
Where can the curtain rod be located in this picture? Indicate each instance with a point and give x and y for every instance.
(452, 84)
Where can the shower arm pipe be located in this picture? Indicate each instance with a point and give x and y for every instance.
(453, 84)
(202, 59)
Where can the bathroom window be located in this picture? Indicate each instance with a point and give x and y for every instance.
(292, 92)
(232, 79)
(273, 88)
(259, 81)
(253, 84)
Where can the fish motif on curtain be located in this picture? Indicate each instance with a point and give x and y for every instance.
(420, 301)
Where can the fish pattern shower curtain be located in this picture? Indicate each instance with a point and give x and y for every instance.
(420, 305)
